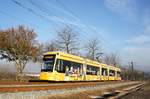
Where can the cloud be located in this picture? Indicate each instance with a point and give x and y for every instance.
(68, 13)
(140, 40)
(139, 55)
(146, 21)
(63, 16)
(66, 21)
(138, 46)
(125, 8)
(144, 37)
(59, 14)
(79, 26)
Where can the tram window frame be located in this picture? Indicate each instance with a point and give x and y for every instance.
(93, 68)
(118, 72)
(59, 66)
(102, 71)
(64, 63)
(48, 63)
(111, 72)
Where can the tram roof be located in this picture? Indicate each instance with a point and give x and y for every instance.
(74, 57)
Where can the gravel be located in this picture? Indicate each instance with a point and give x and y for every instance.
(143, 93)
(39, 94)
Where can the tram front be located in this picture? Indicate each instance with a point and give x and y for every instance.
(48, 68)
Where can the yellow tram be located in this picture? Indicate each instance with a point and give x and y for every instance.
(60, 66)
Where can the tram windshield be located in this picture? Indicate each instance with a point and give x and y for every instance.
(48, 63)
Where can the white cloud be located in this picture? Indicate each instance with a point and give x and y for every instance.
(140, 55)
(147, 29)
(144, 37)
(125, 8)
(66, 21)
(137, 48)
(140, 40)
(59, 14)
(146, 21)
(67, 17)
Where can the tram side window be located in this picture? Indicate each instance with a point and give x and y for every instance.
(111, 72)
(75, 68)
(92, 70)
(104, 72)
(60, 66)
(68, 67)
(118, 73)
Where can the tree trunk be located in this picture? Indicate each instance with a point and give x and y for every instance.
(67, 48)
(19, 70)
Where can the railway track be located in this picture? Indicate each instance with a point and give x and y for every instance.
(81, 90)
(36, 86)
(118, 94)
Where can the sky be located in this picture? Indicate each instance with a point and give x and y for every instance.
(122, 26)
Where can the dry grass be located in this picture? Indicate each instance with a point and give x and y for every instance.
(5, 75)
(27, 78)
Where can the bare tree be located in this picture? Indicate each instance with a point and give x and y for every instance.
(112, 59)
(67, 39)
(40, 52)
(18, 45)
(128, 74)
(52, 46)
(93, 49)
